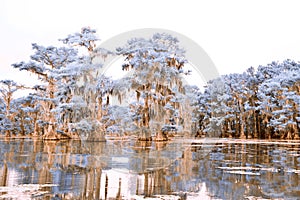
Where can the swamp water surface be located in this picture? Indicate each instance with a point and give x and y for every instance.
(179, 169)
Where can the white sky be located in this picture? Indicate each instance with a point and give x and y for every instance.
(235, 34)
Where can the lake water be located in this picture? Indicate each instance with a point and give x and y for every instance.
(179, 169)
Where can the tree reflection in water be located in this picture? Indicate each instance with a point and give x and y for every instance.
(134, 170)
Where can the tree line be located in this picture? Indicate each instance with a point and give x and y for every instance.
(258, 103)
(73, 99)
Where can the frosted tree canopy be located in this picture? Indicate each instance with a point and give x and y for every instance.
(72, 99)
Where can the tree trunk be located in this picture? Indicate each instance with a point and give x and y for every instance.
(50, 131)
(99, 109)
(242, 119)
(242, 132)
(22, 132)
(36, 127)
(145, 134)
(4, 175)
(255, 129)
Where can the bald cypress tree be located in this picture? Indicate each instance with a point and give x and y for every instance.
(262, 103)
(156, 64)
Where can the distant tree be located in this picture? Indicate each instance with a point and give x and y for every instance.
(200, 110)
(24, 123)
(7, 117)
(216, 97)
(278, 95)
(251, 104)
(262, 103)
(279, 103)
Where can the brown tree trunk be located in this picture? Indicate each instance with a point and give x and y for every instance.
(255, 128)
(242, 127)
(36, 128)
(4, 175)
(50, 131)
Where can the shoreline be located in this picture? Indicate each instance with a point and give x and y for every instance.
(203, 140)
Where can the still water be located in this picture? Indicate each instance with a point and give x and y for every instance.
(179, 169)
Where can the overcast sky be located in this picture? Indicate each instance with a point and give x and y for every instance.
(235, 34)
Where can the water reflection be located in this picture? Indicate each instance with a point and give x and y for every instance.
(136, 170)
